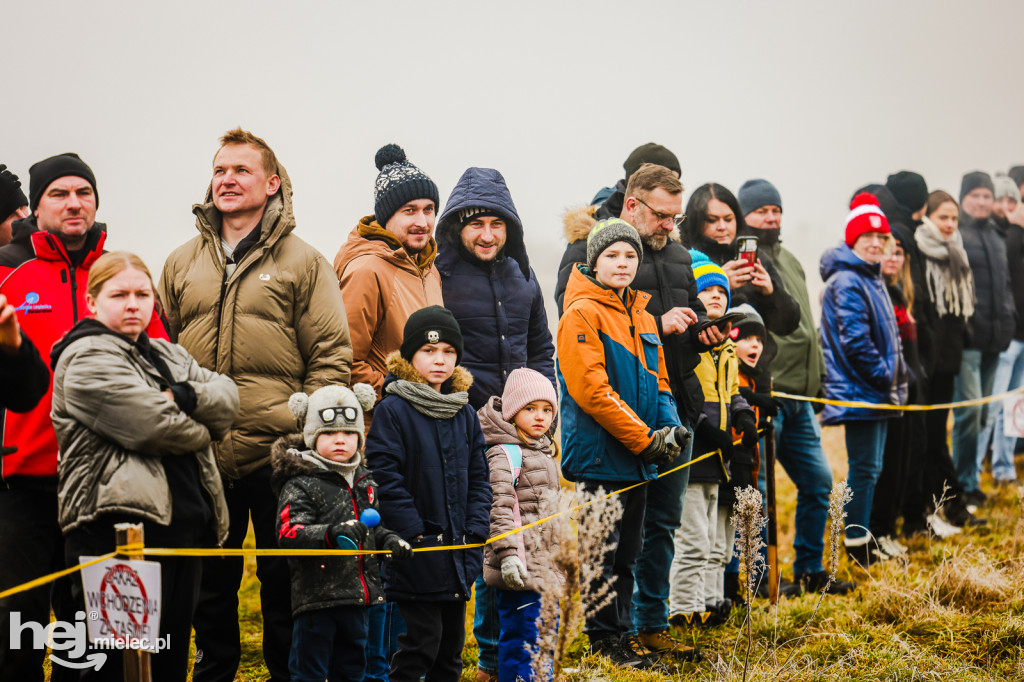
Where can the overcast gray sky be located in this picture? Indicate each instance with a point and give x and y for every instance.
(818, 97)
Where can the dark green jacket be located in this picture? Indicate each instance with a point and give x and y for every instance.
(799, 366)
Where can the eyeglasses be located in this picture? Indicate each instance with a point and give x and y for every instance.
(676, 219)
(329, 414)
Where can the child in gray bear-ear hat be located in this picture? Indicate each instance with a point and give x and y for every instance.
(325, 489)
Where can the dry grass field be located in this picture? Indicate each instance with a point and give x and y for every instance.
(953, 611)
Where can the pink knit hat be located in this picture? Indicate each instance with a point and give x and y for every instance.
(522, 388)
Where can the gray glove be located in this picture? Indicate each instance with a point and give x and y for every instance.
(659, 451)
(513, 572)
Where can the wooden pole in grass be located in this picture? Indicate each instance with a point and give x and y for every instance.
(136, 662)
(773, 540)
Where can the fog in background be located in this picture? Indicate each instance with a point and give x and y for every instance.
(820, 98)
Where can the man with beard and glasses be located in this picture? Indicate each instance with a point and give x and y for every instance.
(652, 203)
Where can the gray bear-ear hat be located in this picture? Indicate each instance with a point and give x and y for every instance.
(332, 408)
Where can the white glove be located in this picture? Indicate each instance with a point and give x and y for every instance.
(513, 572)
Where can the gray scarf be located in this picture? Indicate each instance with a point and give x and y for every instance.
(346, 469)
(427, 401)
(947, 270)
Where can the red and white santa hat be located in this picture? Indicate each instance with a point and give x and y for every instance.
(865, 217)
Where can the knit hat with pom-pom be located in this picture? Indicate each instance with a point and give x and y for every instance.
(398, 183)
(707, 274)
(865, 217)
(331, 409)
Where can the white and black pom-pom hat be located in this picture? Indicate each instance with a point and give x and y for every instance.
(398, 183)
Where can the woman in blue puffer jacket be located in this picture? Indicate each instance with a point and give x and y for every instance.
(863, 359)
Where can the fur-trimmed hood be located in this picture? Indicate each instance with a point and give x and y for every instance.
(401, 368)
(286, 459)
(578, 222)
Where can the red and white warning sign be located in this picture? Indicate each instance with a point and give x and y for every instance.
(122, 602)
(1013, 416)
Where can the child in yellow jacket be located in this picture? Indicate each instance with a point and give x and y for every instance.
(692, 598)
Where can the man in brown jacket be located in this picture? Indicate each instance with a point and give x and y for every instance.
(386, 267)
(387, 273)
(249, 299)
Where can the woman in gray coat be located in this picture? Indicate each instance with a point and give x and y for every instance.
(135, 418)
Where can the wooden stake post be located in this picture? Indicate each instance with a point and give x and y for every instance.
(136, 663)
(773, 541)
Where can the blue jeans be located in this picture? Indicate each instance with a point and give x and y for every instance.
(798, 450)
(329, 644)
(486, 625)
(1009, 373)
(865, 444)
(661, 519)
(977, 374)
(384, 625)
(518, 613)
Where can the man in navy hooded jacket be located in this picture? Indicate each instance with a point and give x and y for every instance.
(488, 285)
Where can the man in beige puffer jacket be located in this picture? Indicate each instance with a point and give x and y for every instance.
(251, 300)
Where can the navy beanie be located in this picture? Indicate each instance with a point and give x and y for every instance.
(41, 174)
(757, 193)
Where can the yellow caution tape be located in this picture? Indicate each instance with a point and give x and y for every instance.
(38, 582)
(901, 408)
(138, 548)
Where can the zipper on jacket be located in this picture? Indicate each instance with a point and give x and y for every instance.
(220, 316)
(355, 510)
(71, 275)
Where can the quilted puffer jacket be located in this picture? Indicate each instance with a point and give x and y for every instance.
(536, 488)
(863, 355)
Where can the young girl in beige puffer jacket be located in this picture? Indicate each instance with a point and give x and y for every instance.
(524, 473)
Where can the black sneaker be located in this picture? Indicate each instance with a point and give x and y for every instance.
(786, 588)
(958, 515)
(975, 497)
(620, 651)
(815, 582)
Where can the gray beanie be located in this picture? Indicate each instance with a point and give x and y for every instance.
(751, 325)
(606, 233)
(974, 180)
(1005, 187)
(757, 193)
(331, 409)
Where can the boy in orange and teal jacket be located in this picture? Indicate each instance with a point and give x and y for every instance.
(617, 411)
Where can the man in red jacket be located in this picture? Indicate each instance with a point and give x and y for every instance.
(43, 273)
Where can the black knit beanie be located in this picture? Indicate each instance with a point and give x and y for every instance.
(909, 189)
(432, 324)
(650, 153)
(41, 174)
(1017, 173)
(11, 196)
(398, 183)
(973, 181)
